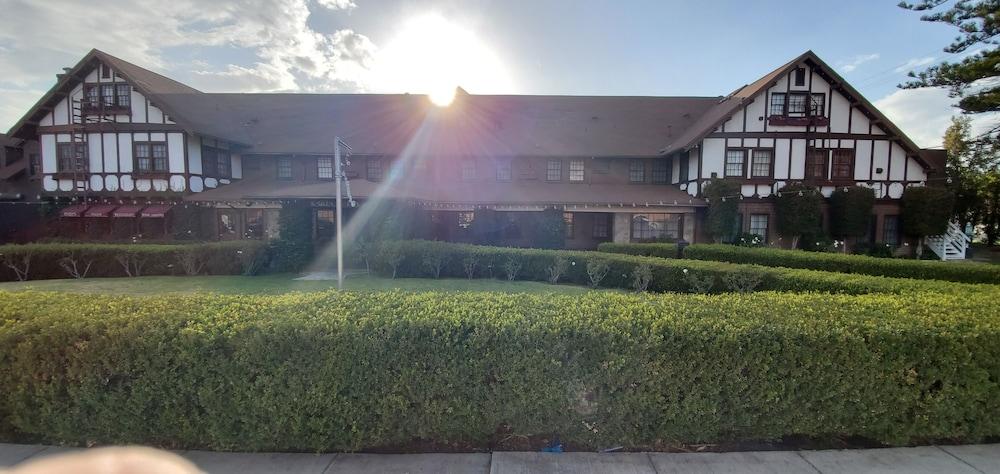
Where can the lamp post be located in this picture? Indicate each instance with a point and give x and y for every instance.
(339, 176)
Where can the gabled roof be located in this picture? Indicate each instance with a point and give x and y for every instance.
(150, 84)
(742, 97)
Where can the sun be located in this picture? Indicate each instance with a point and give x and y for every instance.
(432, 55)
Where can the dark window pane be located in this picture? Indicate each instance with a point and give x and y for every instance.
(636, 171)
(553, 170)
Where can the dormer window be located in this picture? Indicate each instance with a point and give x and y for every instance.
(105, 71)
(116, 97)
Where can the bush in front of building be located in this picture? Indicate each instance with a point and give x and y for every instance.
(926, 211)
(723, 209)
(333, 371)
(668, 274)
(40, 261)
(798, 208)
(827, 262)
(293, 249)
(851, 212)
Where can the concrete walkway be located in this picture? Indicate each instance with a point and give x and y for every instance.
(983, 458)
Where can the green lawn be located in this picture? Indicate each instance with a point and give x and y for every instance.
(153, 285)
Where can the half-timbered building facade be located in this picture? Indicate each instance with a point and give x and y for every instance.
(123, 142)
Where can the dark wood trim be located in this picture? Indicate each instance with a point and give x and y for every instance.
(725, 161)
(770, 175)
(853, 158)
(798, 135)
(153, 173)
(110, 127)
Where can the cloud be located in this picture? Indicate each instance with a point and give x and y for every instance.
(848, 65)
(914, 64)
(925, 114)
(287, 53)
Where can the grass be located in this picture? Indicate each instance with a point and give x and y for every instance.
(271, 284)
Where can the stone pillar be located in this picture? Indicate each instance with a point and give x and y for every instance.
(689, 227)
(621, 227)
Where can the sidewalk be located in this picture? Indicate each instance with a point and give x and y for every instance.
(928, 459)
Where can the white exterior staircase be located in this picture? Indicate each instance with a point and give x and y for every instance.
(951, 245)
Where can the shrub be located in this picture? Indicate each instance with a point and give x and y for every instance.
(798, 209)
(699, 283)
(556, 270)
(293, 249)
(966, 272)
(469, 265)
(851, 211)
(56, 260)
(533, 265)
(723, 209)
(641, 276)
(333, 371)
(926, 211)
(434, 260)
(743, 281)
(390, 255)
(596, 271)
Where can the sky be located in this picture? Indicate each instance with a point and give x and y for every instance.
(566, 47)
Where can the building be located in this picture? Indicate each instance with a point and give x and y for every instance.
(133, 148)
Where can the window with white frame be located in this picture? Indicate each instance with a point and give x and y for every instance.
(324, 167)
(735, 159)
(576, 170)
(758, 225)
(760, 167)
(284, 167)
(778, 103)
(656, 226)
(553, 170)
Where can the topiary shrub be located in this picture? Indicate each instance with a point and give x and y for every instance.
(851, 212)
(292, 251)
(798, 208)
(723, 209)
(926, 211)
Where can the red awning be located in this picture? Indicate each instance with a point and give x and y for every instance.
(155, 211)
(101, 210)
(75, 210)
(126, 211)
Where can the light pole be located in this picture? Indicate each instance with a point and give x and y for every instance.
(339, 176)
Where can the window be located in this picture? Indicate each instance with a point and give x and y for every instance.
(890, 230)
(324, 167)
(843, 164)
(817, 105)
(465, 219)
(735, 159)
(215, 162)
(326, 224)
(223, 165)
(636, 171)
(602, 226)
(284, 168)
(661, 171)
(67, 161)
(576, 170)
(373, 169)
(108, 95)
(568, 220)
(105, 71)
(656, 226)
(758, 225)
(797, 104)
(91, 97)
(150, 157)
(800, 76)
(816, 164)
(684, 166)
(228, 224)
(600, 166)
(778, 103)
(503, 170)
(468, 170)
(761, 164)
(553, 170)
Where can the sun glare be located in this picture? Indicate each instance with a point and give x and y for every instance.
(432, 55)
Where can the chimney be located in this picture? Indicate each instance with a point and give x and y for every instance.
(63, 74)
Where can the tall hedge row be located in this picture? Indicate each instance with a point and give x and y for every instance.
(668, 274)
(57, 260)
(966, 272)
(346, 371)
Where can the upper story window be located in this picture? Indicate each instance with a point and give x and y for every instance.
(842, 164)
(817, 105)
(816, 164)
(778, 103)
(324, 167)
(661, 172)
(504, 171)
(800, 76)
(762, 163)
(373, 169)
(150, 157)
(797, 104)
(576, 172)
(107, 96)
(105, 71)
(216, 162)
(70, 158)
(735, 160)
(284, 168)
(468, 170)
(636, 171)
(553, 170)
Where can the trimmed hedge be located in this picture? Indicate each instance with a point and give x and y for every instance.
(965, 272)
(668, 274)
(347, 371)
(108, 260)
